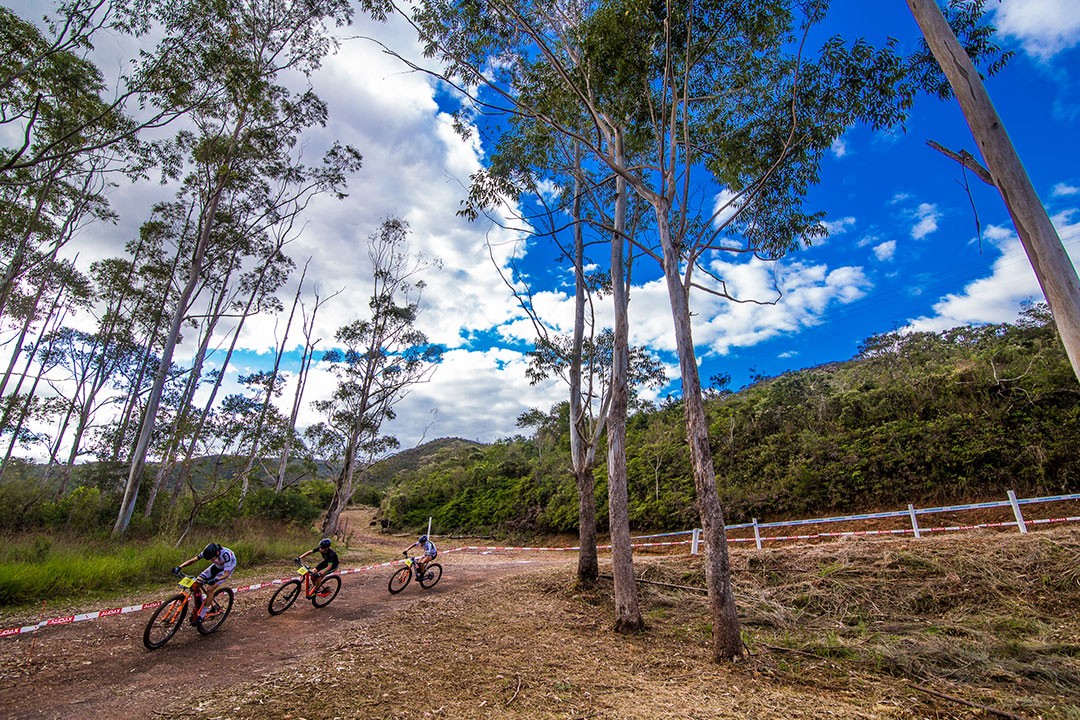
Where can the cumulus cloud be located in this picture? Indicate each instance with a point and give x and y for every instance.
(885, 251)
(777, 298)
(999, 296)
(1043, 27)
(839, 148)
(1063, 190)
(926, 220)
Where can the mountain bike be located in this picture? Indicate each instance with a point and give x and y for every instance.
(170, 614)
(402, 576)
(320, 592)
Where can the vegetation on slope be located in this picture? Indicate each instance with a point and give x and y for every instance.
(919, 417)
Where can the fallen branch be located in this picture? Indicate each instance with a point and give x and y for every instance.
(984, 708)
(657, 582)
(515, 693)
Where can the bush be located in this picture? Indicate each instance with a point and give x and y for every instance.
(289, 505)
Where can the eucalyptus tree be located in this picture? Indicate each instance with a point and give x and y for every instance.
(307, 356)
(730, 104)
(247, 125)
(376, 362)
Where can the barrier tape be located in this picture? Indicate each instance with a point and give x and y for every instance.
(109, 612)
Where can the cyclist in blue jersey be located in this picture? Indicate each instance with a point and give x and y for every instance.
(223, 562)
(430, 552)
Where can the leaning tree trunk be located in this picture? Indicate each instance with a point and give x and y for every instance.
(726, 641)
(1053, 268)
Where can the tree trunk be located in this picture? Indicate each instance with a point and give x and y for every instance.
(581, 440)
(627, 610)
(1053, 268)
(726, 640)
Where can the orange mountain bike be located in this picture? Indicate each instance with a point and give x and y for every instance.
(170, 614)
(402, 576)
(320, 592)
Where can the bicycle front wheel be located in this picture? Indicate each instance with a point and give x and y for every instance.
(285, 596)
(399, 580)
(431, 575)
(217, 613)
(165, 622)
(327, 591)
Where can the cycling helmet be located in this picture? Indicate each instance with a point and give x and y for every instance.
(211, 551)
(423, 539)
(324, 543)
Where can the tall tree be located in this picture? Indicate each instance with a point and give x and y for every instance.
(381, 358)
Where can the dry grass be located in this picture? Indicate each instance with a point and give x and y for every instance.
(843, 630)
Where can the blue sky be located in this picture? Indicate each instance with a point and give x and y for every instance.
(903, 252)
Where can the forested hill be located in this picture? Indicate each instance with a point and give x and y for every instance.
(963, 414)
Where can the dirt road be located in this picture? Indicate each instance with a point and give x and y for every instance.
(100, 669)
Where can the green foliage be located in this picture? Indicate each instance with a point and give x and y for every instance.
(60, 566)
(289, 505)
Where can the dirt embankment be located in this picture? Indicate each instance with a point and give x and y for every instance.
(858, 628)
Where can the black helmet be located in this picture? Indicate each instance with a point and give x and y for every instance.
(324, 543)
(423, 539)
(211, 551)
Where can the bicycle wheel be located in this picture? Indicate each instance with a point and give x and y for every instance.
(165, 622)
(218, 612)
(328, 590)
(431, 575)
(399, 580)
(285, 596)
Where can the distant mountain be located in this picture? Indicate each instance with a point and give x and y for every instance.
(385, 472)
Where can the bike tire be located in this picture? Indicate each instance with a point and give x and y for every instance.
(399, 580)
(165, 621)
(327, 591)
(285, 596)
(434, 570)
(220, 610)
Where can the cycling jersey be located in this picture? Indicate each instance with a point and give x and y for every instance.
(330, 560)
(224, 562)
(429, 549)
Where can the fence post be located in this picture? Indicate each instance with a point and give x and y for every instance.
(914, 520)
(757, 535)
(694, 541)
(1016, 511)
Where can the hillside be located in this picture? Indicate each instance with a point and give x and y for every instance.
(926, 418)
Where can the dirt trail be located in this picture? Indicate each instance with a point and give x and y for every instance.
(100, 669)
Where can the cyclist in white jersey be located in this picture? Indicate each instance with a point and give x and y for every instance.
(223, 562)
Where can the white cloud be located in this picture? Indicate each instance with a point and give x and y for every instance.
(840, 226)
(724, 207)
(997, 298)
(885, 251)
(800, 294)
(1063, 190)
(1043, 27)
(839, 148)
(927, 217)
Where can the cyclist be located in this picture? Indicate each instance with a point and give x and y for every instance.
(430, 551)
(223, 562)
(329, 560)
